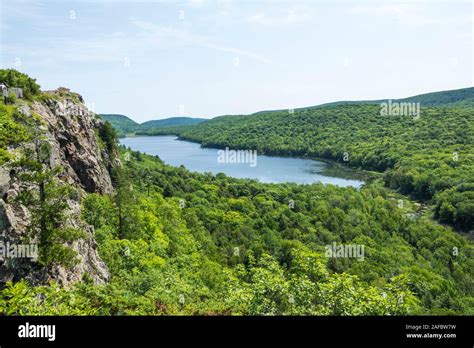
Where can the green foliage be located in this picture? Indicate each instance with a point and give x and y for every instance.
(13, 130)
(236, 247)
(108, 137)
(171, 121)
(121, 123)
(463, 97)
(48, 203)
(168, 130)
(10, 98)
(124, 125)
(21, 299)
(421, 157)
(14, 78)
(183, 243)
(456, 206)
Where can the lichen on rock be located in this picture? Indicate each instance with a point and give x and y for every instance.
(71, 130)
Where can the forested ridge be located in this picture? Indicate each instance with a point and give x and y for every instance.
(126, 126)
(178, 242)
(430, 157)
(183, 243)
(463, 97)
(121, 123)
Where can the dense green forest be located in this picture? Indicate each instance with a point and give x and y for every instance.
(184, 243)
(463, 97)
(171, 121)
(430, 158)
(178, 242)
(124, 125)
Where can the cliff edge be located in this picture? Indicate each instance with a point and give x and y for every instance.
(73, 134)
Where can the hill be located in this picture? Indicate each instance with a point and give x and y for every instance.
(121, 123)
(171, 121)
(451, 98)
(428, 157)
(463, 97)
(121, 233)
(124, 125)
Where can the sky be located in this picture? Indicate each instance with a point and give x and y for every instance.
(202, 58)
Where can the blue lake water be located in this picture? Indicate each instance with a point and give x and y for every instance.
(267, 169)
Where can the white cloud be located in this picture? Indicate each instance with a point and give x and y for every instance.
(114, 47)
(380, 10)
(158, 32)
(294, 15)
(195, 3)
(406, 13)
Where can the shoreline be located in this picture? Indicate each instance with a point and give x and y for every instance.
(333, 168)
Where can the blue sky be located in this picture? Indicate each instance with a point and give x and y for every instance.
(157, 59)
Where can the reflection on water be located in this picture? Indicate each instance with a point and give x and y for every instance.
(266, 169)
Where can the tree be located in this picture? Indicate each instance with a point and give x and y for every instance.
(14, 78)
(47, 200)
(109, 137)
(11, 98)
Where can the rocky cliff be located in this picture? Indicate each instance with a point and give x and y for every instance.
(72, 133)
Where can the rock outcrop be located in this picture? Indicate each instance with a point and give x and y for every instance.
(71, 130)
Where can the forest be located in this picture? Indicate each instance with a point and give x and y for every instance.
(125, 126)
(430, 158)
(182, 243)
(185, 243)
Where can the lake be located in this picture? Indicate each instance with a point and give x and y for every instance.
(267, 169)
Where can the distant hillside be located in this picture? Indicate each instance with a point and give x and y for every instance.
(124, 125)
(121, 123)
(428, 157)
(172, 121)
(463, 97)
